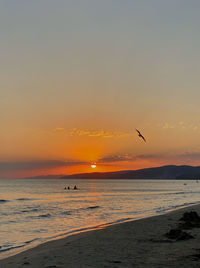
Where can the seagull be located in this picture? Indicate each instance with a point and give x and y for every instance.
(140, 135)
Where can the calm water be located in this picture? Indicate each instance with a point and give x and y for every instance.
(33, 211)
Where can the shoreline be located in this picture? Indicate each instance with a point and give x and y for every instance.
(17, 250)
(129, 240)
(20, 249)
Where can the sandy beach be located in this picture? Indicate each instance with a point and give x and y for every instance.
(140, 243)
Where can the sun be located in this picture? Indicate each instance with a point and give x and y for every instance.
(93, 165)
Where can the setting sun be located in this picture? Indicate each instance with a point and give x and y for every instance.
(93, 165)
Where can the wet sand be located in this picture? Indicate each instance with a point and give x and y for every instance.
(140, 243)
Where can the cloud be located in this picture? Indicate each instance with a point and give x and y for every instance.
(59, 129)
(117, 158)
(128, 157)
(179, 125)
(190, 155)
(182, 158)
(36, 165)
(98, 133)
(167, 126)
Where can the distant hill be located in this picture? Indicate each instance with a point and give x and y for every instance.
(165, 172)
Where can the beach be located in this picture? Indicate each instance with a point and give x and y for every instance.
(139, 243)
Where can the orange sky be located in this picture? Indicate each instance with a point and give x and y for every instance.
(78, 80)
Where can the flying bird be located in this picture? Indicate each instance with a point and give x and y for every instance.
(140, 135)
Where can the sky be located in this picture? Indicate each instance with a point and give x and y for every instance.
(77, 78)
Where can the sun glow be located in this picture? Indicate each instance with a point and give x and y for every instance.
(93, 165)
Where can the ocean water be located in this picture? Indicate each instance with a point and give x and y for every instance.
(33, 211)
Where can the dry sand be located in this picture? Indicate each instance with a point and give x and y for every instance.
(140, 243)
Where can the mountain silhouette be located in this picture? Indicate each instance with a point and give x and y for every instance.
(163, 172)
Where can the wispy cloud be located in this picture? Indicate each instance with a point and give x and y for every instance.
(98, 133)
(167, 126)
(117, 158)
(190, 155)
(179, 125)
(36, 165)
(164, 158)
(59, 129)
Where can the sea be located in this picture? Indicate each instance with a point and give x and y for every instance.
(33, 211)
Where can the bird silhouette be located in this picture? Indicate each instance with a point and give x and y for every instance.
(140, 135)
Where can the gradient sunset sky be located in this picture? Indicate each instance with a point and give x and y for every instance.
(77, 78)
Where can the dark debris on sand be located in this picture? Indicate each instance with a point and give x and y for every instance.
(26, 263)
(189, 220)
(195, 257)
(178, 234)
